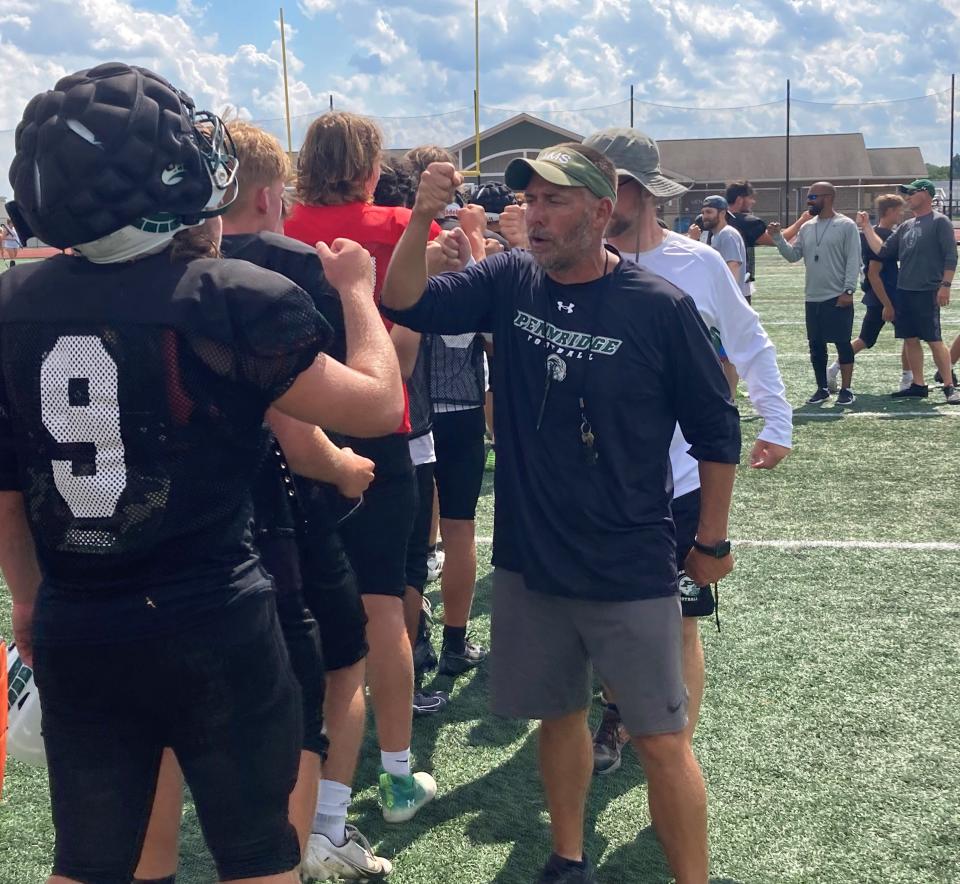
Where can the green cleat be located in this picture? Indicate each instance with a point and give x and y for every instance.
(402, 797)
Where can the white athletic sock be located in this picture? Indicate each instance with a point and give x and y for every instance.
(834, 367)
(396, 763)
(907, 375)
(333, 799)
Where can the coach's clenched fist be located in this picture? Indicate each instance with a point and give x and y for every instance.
(438, 184)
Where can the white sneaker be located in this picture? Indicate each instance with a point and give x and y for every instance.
(435, 565)
(353, 861)
(906, 379)
(832, 373)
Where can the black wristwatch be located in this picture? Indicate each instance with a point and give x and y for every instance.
(717, 551)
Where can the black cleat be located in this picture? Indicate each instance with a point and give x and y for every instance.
(455, 664)
(429, 702)
(914, 391)
(561, 871)
(822, 395)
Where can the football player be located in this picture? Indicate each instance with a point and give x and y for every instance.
(339, 167)
(317, 574)
(134, 381)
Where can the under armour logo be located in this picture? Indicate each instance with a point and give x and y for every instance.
(566, 308)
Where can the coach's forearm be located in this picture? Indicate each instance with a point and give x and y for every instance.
(407, 274)
(716, 491)
(18, 556)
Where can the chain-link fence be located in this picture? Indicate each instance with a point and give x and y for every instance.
(872, 146)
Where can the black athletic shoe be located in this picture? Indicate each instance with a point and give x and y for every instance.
(846, 397)
(914, 391)
(429, 702)
(456, 664)
(952, 395)
(561, 871)
(938, 378)
(822, 395)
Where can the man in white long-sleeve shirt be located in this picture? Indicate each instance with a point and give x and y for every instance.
(701, 272)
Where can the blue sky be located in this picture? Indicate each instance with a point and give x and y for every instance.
(571, 61)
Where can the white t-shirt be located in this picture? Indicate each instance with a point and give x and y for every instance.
(701, 272)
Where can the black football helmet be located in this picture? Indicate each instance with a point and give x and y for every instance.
(116, 153)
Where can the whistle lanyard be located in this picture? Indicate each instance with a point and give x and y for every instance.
(587, 436)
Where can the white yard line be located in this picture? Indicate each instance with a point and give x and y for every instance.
(851, 544)
(833, 544)
(838, 413)
(944, 322)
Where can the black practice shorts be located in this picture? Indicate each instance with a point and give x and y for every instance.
(458, 436)
(918, 316)
(330, 592)
(873, 323)
(221, 694)
(375, 537)
(695, 601)
(280, 555)
(418, 546)
(829, 323)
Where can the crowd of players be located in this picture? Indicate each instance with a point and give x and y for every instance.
(173, 513)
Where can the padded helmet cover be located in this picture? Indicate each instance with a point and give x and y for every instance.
(106, 147)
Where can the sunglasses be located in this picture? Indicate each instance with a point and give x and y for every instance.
(813, 197)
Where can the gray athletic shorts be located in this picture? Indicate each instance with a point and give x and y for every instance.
(545, 648)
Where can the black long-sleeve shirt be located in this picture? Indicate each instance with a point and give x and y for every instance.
(634, 348)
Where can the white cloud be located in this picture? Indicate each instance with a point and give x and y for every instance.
(410, 63)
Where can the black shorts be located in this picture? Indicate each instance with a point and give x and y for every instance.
(873, 323)
(280, 555)
(331, 594)
(221, 694)
(458, 436)
(829, 323)
(418, 546)
(918, 316)
(695, 601)
(375, 537)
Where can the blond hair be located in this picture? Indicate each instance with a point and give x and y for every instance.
(340, 155)
(887, 201)
(263, 161)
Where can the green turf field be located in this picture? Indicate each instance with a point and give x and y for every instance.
(829, 735)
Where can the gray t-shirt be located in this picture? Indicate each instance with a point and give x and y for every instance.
(925, 247)
(729, 243)
(830, 248)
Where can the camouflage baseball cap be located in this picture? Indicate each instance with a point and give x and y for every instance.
(562, 166)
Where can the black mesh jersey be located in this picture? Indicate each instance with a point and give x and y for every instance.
(300, 264)
(418, 391)
(456, 376)
(132, 399)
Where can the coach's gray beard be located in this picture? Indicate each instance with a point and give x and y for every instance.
(569, 251)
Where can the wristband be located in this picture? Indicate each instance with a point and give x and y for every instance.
(944, 284)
